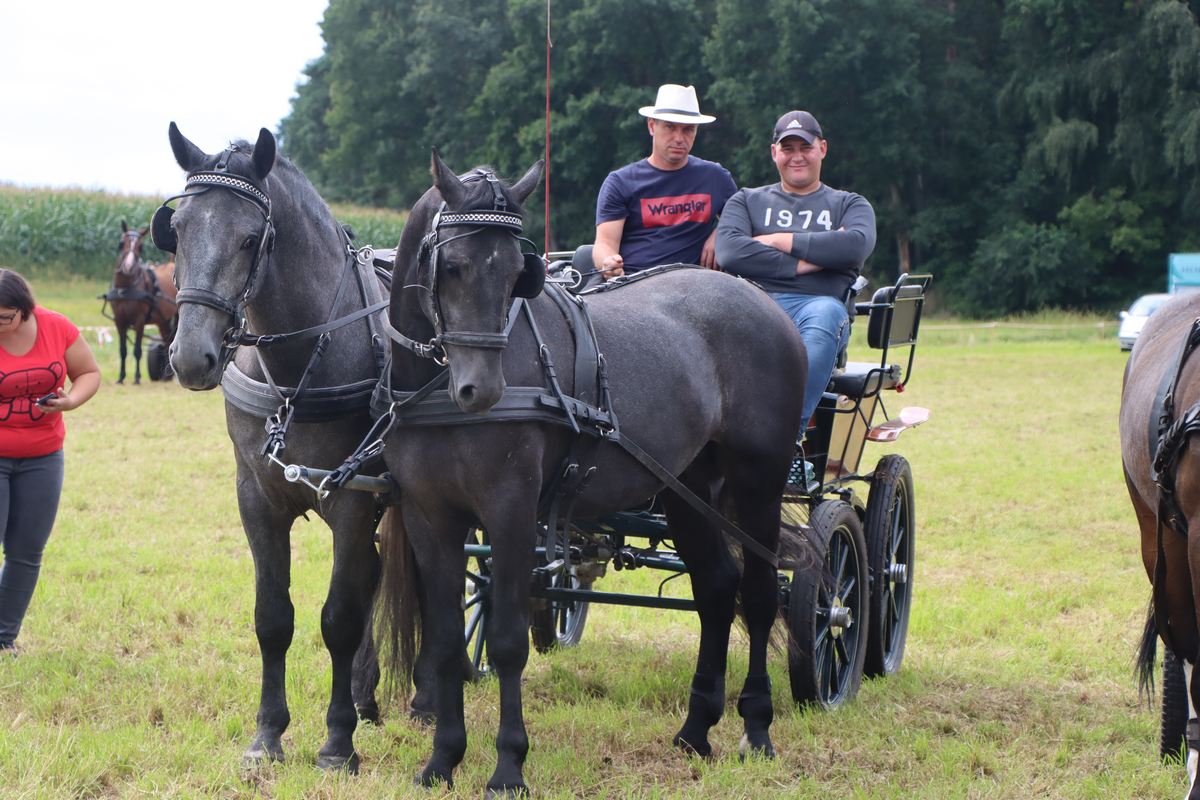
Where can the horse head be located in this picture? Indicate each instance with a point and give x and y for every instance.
(222, 235)
(471, 265)
(129, 253)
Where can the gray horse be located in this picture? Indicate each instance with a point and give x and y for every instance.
(1171, 563)
(706, 375)
(253, 237)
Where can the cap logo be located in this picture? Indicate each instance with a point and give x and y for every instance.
(795, 124)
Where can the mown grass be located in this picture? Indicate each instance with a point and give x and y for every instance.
(140, 670)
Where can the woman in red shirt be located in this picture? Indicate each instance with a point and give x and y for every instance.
(40, 350)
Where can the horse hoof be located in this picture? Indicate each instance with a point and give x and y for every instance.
(368, 712)
(260, 754)
(429, 778)
(334, 763)
(700, 749)
(422, 715)
(765, 752)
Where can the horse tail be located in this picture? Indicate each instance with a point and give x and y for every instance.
(398, 612)
(1146, 652)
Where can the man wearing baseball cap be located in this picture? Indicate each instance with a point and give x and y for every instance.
(802, 241)
(662, 209)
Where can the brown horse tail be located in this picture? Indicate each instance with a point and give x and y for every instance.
(1147, 649)
(397, 617)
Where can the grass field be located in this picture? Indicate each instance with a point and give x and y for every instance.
(140, 670)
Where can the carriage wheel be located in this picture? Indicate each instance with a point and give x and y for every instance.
(477, 603)
(1173, 735)
(890, 533)
(827, 611)
(557, 623)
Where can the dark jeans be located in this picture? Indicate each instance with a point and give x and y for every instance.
(29, 492)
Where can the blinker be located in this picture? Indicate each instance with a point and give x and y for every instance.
(160, 229)
(533, 277)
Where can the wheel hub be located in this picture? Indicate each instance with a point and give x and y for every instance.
(840, 618)
(898, 573)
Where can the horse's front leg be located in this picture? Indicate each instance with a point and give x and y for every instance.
(511, 531)
(437, 546)
(268, 531)
(137, 354)
(343, 617)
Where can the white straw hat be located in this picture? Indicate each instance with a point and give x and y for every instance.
(676, 103)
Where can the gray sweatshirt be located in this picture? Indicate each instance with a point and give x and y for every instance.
(816, 221)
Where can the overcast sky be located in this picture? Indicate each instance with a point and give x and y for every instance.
(87, 88)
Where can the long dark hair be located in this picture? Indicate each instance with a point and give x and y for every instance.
(15, 293)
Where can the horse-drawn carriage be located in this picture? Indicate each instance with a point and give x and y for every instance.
(847, 614)
(708, 372)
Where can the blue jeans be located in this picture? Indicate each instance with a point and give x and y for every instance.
(824, 325)
(29, 492)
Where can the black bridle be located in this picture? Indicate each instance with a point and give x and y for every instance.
(529, 285)
(199, 183)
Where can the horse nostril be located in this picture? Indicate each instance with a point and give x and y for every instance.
(210, 360)
(466, 393)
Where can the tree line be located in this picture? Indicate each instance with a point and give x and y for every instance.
(1029, 153)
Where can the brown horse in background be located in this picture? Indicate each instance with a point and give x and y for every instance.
(141, 294)
(1161, 461)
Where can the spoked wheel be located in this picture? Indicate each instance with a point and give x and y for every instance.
(559, 623)
(1173, 733)
(890, 533)
(477, 602)
(827, 611)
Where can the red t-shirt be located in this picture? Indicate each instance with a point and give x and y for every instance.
(26, 431)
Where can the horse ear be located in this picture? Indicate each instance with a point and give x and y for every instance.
(524, 187)
(264, 153)
(187, 155)
(124, 227)
(452, 189)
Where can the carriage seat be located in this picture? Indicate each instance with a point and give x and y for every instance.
(893, 316)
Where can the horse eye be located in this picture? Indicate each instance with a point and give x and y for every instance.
(250, 242)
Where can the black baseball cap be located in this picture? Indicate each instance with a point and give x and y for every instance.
(798, 123)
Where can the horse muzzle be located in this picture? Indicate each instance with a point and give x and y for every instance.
(476, 379)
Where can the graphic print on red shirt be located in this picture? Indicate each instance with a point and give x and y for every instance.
(19, 390)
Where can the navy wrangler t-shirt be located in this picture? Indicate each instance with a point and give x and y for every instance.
(668, 213)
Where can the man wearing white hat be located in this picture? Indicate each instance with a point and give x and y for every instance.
(802, 241)
(664, 208)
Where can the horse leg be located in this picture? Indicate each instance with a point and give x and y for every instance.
(511, 530)
(137, 354)
(758, 515)
(438, 549)
(121, 345)
(268, 531)
(714, 577)
(343, 619)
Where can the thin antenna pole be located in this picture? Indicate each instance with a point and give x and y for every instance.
(546, 174)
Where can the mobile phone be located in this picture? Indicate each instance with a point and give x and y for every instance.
(41, 401)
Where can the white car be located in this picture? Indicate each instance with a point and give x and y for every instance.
(1133, 320)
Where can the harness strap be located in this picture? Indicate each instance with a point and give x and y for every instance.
(1167, 441)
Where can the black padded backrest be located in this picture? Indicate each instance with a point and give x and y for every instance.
(582, 260)
(895, 317)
